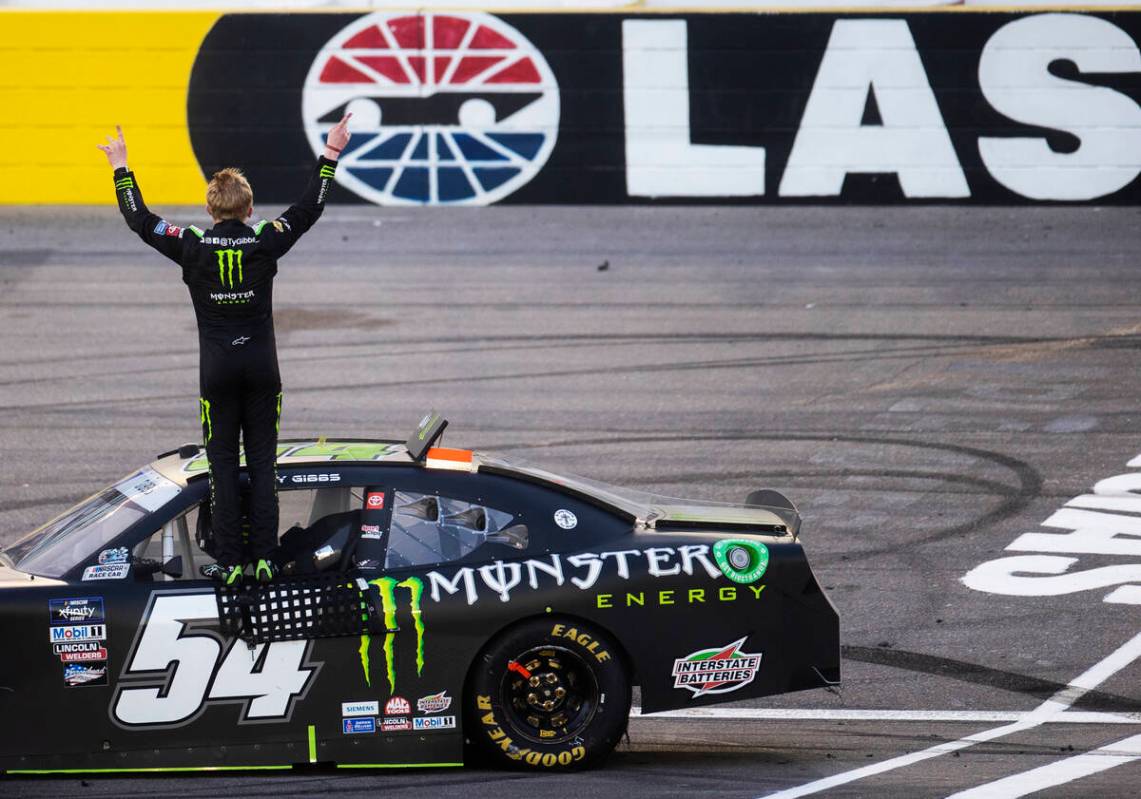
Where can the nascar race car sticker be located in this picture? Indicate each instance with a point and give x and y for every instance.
(78, 635)
(741, 561)
(716, 671)
(448, 109)
(178, 665)
(108, 571)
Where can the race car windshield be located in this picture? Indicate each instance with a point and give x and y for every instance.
(78, 533)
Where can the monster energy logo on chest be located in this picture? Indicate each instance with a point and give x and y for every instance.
(387, 587)
(227, 260)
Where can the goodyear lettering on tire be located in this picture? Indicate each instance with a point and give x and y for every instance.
(523, 754)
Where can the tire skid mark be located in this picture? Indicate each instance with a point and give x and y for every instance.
(608, 339)
(982, 675)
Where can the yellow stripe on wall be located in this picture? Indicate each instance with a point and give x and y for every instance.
(66, 79)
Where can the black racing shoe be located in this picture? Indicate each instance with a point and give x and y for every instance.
(265, 571)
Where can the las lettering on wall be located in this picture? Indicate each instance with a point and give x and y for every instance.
(879, 58)
(1014, 74)
(502, 577)
(1092, 531)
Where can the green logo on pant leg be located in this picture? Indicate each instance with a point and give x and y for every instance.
(227, 260)
(389, 603)
(204, 416)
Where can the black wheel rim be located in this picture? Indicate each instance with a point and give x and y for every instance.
(549, 694)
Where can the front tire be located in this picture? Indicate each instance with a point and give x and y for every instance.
(549, 694)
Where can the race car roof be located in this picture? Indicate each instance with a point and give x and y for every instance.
(643, 508)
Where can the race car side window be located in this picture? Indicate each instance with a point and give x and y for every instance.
(428, 529)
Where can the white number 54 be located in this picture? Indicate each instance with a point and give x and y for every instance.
(173, 670)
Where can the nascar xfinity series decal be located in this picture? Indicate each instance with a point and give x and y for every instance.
(449, 109)
(716, 671)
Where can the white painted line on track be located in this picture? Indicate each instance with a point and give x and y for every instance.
(1059, 773)
(976, 716)
(1055, 705)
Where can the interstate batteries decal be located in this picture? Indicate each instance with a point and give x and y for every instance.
(716, 671)
(450, 109)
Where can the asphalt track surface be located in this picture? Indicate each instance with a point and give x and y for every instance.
(928, 384)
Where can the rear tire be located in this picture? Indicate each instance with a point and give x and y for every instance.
(549, 694)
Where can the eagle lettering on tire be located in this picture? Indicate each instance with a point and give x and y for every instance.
(550, 693)
(448, 109)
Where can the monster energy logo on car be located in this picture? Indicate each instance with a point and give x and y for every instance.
(387, 587)
(226, 262)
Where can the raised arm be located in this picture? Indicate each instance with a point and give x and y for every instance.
(282, 233)
(153, 229)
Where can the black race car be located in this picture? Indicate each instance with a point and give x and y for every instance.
(431, 599)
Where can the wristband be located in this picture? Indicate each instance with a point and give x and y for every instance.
(337, 150)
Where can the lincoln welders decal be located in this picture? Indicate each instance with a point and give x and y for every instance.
(447, 108)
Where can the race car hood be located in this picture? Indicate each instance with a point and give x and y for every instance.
(11, 578)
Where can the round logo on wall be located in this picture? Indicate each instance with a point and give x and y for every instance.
(448, 109)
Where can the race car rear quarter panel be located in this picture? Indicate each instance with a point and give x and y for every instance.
(677, 604)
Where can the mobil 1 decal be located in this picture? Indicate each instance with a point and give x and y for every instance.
(464, 108)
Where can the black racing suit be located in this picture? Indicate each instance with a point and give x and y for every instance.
(229, 270)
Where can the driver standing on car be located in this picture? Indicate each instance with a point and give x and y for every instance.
(229, 270)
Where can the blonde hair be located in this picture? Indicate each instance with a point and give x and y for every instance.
(229, 195)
